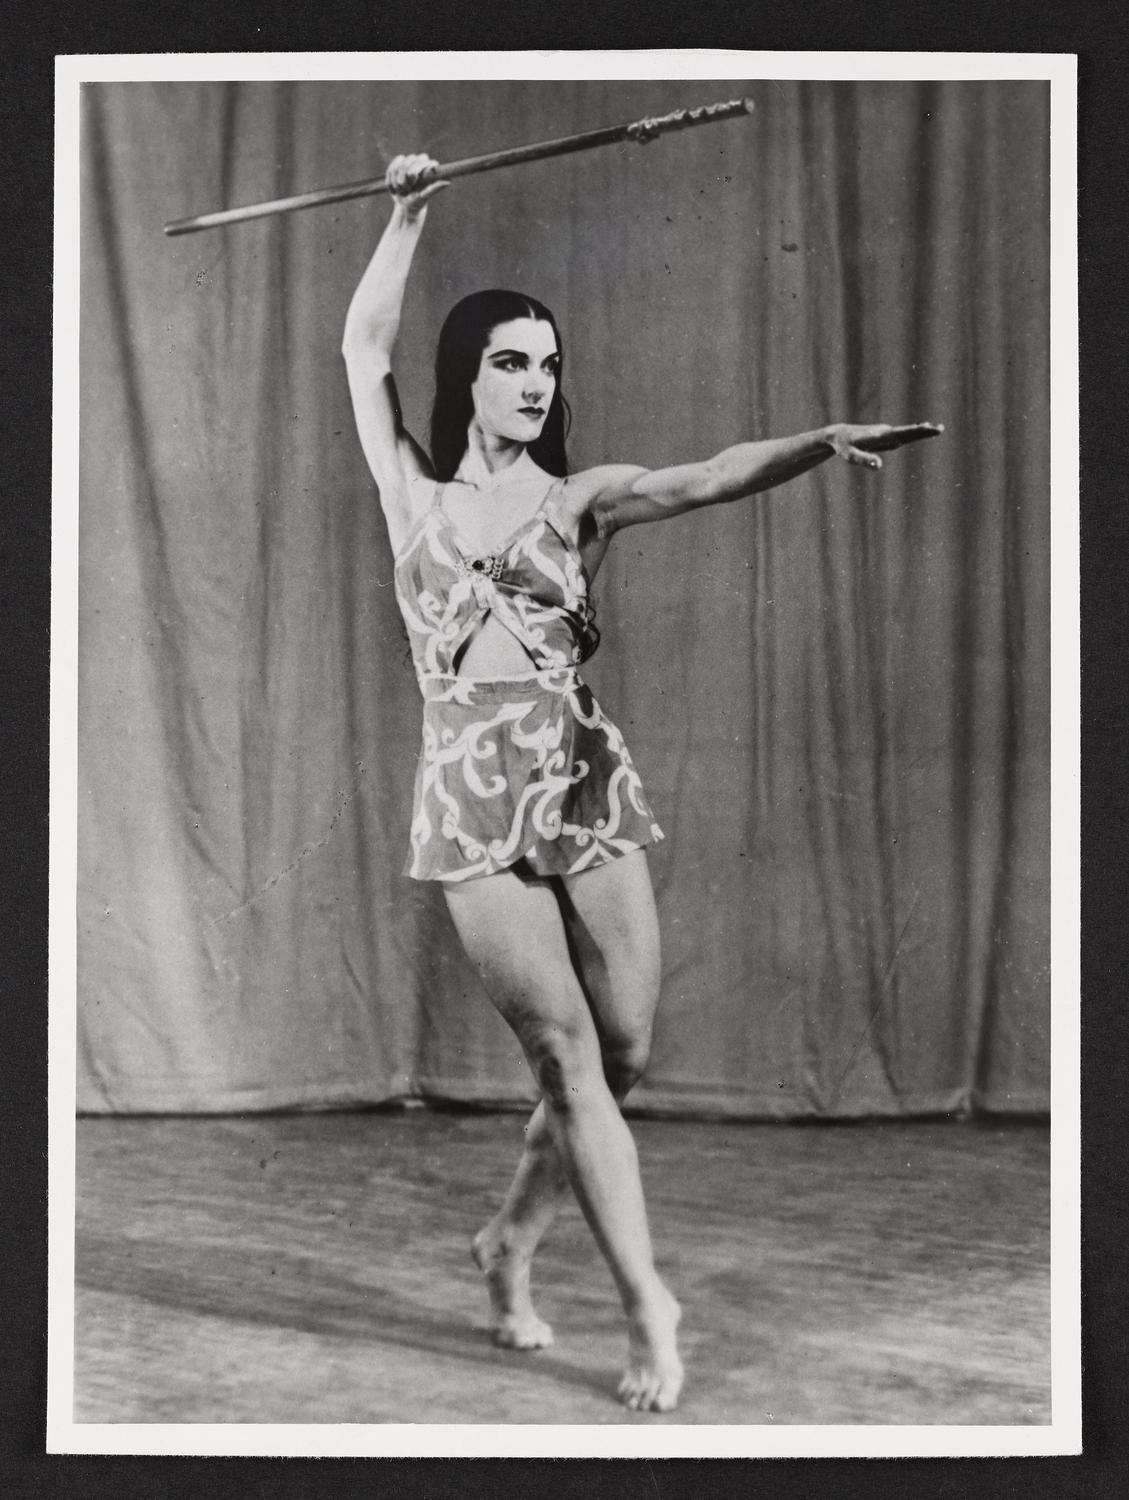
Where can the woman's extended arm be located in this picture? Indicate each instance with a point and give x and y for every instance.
(371, 326)
(617, 495)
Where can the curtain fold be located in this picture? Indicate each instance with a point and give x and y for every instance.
(837, 693)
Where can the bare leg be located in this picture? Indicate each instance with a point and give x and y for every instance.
(612, 927)
(503, 1250)
(515, 935)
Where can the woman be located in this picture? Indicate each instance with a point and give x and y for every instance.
(528, 808)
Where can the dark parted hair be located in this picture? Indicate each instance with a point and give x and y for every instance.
(463, 337)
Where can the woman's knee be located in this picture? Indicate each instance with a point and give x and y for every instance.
(565, 1061)
(625, 1055)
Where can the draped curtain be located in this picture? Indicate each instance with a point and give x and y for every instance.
(837, 693)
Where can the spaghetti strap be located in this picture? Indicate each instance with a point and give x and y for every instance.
(551, 512)
(552, 497)
(549, 497)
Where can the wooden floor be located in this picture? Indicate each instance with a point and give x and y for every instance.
(314, 1268)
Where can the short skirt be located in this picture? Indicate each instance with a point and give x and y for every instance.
(526, 769)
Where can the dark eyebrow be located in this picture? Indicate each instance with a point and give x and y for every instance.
(519, 354)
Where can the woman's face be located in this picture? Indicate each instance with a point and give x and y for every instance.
(517, 377)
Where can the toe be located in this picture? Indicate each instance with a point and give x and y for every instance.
(669, 1392)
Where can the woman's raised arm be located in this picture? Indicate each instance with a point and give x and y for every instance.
(617, 495)
(371, 327)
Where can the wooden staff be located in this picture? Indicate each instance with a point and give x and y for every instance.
(639, 131)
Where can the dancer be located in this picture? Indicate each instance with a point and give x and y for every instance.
(528, 808)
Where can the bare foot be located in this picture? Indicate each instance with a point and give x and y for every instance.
(653, 1377)
(514, 1324)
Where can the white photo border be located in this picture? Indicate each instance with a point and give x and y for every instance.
(1063, 1434)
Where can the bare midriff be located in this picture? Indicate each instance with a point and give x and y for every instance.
(494, 651)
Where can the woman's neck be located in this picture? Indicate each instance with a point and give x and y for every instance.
(487, 458)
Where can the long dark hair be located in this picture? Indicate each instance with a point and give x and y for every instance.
(463, 337)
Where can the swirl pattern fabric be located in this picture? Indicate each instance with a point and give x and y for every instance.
(511, 769)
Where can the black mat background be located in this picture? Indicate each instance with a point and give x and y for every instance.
(32, 38)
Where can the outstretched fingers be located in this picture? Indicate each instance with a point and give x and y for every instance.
(897, 437)
(861, 445)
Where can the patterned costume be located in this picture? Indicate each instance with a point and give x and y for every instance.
(511, 769)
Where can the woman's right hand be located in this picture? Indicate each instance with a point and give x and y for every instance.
(407, 179)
